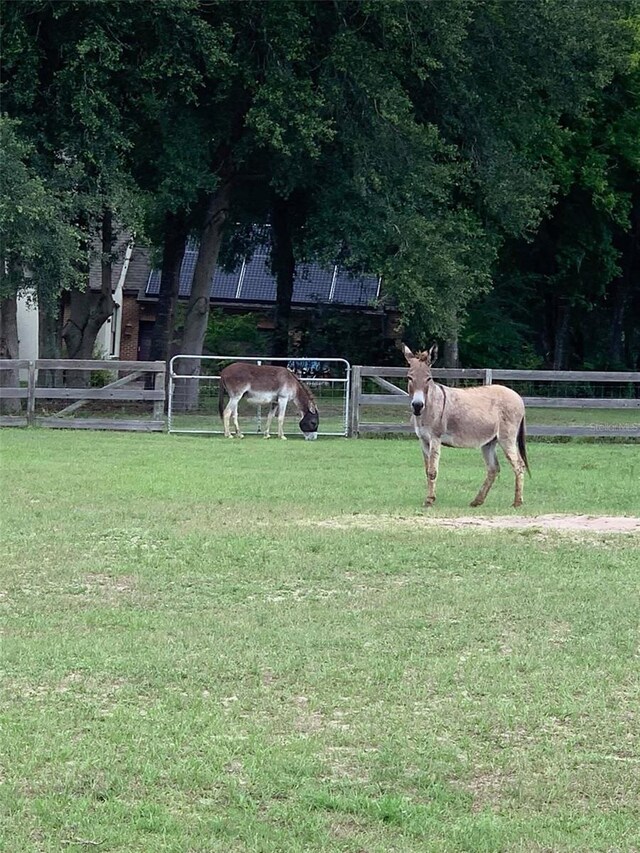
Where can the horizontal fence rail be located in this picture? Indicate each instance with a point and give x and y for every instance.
(385, 393)
(194, 383)
(66, 380)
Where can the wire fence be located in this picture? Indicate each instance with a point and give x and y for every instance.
(194, 383)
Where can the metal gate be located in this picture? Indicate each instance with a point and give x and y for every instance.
(194, 381)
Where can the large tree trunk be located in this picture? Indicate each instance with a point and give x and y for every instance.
(283, 267)
(197, 315)
(89, 310)
(175, 241)
(49, 341)
(563, 327)
(9, 349)
(451, 356)
(622, 289)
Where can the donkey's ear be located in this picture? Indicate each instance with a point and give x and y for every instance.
(433, 353)
(407, 353)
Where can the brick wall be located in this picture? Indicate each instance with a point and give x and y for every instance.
(130, 326)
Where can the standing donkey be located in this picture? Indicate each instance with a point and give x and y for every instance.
(465, 417)
(266, 384)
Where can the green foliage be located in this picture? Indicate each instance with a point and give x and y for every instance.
(234, 334)
(40, 247)
(495, 336)
(330, 332)
(583, 259)
(437, 144)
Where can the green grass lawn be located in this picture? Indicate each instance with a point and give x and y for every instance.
(332, 418)
(563, 417)
(196, 658)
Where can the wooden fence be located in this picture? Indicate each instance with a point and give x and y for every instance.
(396, 397)
(131, 385)
(134, 379)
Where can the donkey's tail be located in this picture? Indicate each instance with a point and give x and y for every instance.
(522, 445)
(221, 389)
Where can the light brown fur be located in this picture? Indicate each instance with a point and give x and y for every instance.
(466, 417)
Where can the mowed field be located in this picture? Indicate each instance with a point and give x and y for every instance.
(214, 645)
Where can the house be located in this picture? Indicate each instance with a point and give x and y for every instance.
(250, 287)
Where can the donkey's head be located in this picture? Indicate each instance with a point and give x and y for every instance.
(419, 375)
(309, 423)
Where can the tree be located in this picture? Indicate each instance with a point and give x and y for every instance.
(39, 248)
(572, 288)
(86, 80)
(64, 66)
(421, 141)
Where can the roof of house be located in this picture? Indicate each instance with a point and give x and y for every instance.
(253, 282)
(119, 250)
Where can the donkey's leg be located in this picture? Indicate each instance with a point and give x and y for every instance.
(235, 418)
(282, 409)
(493, 469)
(515, 460)
(425, 445)
(431, 464)
(226, 417)
(272, 412)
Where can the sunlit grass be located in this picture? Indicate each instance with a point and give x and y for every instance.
(196, 658)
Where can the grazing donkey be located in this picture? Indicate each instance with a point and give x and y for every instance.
(265, 384)
(465, 417)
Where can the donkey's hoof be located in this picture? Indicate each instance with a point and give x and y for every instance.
(283, 437)
(476, 502)
(516, 504)
(429, 502)
(240, 435)
(266, 435)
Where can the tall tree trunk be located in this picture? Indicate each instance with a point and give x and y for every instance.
(450, 352)
(175, 241)
(89, 310)
(9, 349)
(49, 341)
(197, 316)
(283, 267)
(622, 289)
(563, 327)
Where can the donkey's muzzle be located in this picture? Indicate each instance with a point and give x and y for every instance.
(310, 436)
(417, 408)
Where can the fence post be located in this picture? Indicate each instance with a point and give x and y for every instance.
(31, 399)
(354, 403)
(159, 385)
(488, 376)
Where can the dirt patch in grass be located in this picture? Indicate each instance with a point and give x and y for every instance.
(561, 523)
(489, 790)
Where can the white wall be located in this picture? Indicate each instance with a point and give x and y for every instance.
(27, 316)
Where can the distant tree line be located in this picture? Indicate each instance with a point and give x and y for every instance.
(483, 156)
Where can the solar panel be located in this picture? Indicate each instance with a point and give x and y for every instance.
(153, 285)
(225, 284)
(186, 275)
(186, 271)
(312, 283)
(355, 290)
(258, 285)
